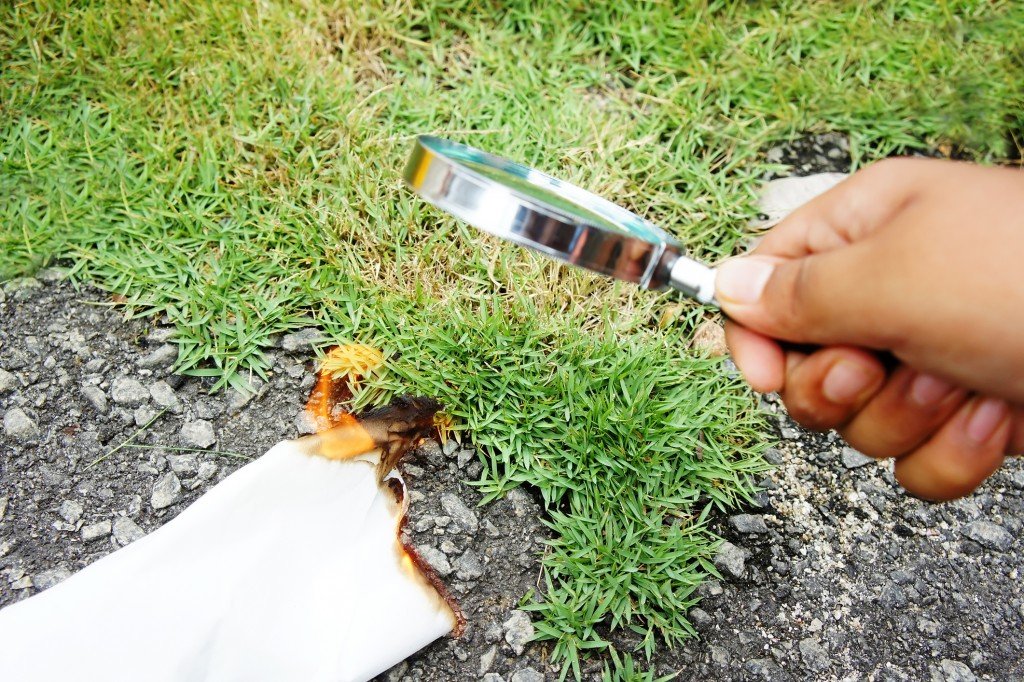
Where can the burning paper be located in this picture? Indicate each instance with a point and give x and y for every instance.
(289, 569)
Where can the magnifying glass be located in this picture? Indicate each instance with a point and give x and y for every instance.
(559, 220)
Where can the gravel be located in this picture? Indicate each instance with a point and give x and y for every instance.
(19, 426)
(990, 535)
(197, 434)
(748, 523)
(462, 514)
(731, 559)
(853, 459)
(95, 531)
(126, 531)
(128, 392)
(166, 491)
(518, 631)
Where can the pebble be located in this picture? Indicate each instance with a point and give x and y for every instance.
(952, 671)
(450, 446)
(183, 465)
(166, 491)
(164, 396)
(522, 503)
(731, 559)
(95, 531)
(468, 566)
(128, 392)
(989, 535)
(709, 340)
(854, 459)
(700, 617)
(70, 511)
(3, 507)
(303, 339)
(126, 531)
(465, 455)
(144, 415)
(163, 356)
(435, 559)
(748, 523)
(527, 675)
(518, 631)
(8, 382)
(813, 654)
(492, 633)
(44, 580)
(458, 510)
(19, 426)
(197, 434)
(493, 677)
(95, 396)
(487, 659)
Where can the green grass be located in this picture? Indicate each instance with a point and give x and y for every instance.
(234, 165)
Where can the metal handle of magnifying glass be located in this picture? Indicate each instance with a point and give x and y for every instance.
(694, 279)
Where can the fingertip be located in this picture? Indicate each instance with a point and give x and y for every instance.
(961, 455)
(759, 358)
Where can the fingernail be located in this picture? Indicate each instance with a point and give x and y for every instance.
(845, 381)
(985, 419)
(927, 390)
(741, 280)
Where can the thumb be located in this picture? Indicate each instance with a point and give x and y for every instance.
(830, 297)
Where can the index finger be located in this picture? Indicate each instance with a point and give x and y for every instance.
(851, 210)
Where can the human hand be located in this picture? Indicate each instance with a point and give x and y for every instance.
(920, 259)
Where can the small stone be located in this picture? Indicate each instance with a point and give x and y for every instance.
(303, 339)
(5, 548)
(183, 465)
(47, 579)
(491, 530)
(162, 356)
(492, 633)
(522, 503)
(95, 396)
(773, 456)
(435, 559)
(731, 558)
(70, 511)
(95, 531)
(207, 471)
(709, 340)
(19, 426)
(3, 507)
(126, 531)
(128, 392)
(952, 671)
(719, 655)
(197, 434)
(465, 455)
(518, 631)
(493, 677)
(144, 415)
(988, 534)
(813, 654)
(527, 675)
(398, 672)
(748, 523)
(164, 396)
(700, 617)
(468, 566)
(8, 382)
(166, 491)
(21, 583)
(487, 659)
(52, 274)
(450, 446)
(853, 459)
(306, 423)
(462, 514)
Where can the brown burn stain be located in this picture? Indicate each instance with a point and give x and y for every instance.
(394, 429)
